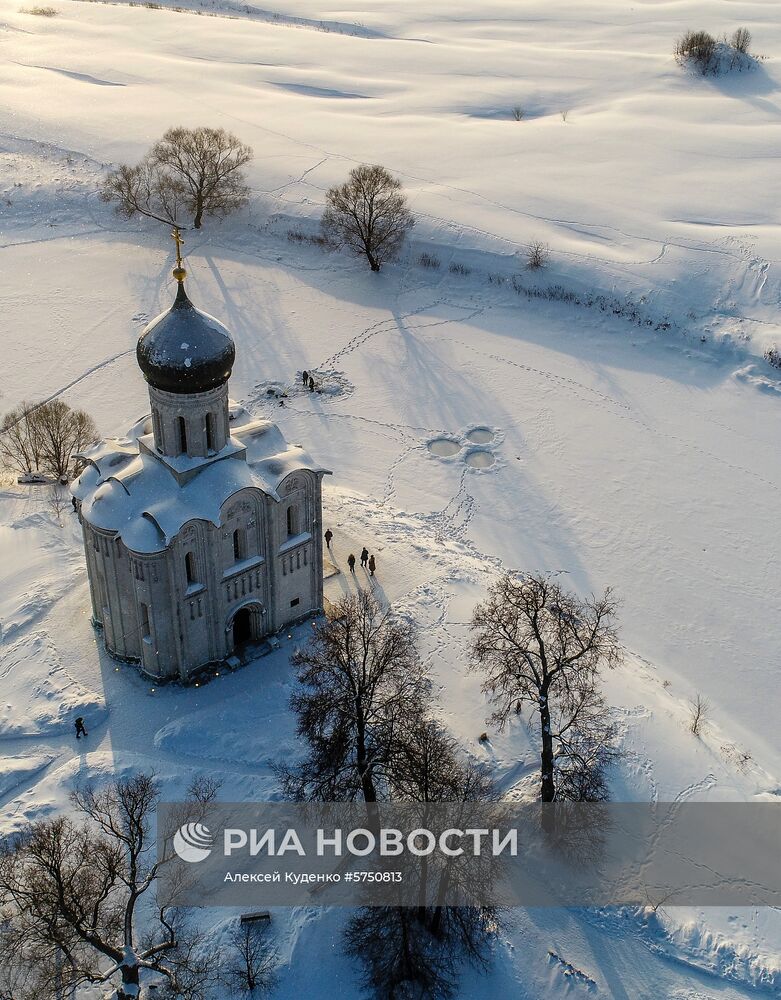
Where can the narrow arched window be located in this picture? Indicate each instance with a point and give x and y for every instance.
(209, 432)
(189, 566)
(238, 545)
(146, 628)
(182, 435)
(156, 430)
(292, 521)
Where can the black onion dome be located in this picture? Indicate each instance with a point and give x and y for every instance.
(185, 350)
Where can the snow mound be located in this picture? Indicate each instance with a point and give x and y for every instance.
(38, 694)
(17, 771)
(695, 944)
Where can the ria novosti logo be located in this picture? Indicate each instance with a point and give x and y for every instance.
(193, 842)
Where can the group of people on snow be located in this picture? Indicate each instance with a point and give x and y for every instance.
(368, 562)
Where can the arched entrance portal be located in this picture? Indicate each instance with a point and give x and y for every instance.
(242, 627)
(245, 628)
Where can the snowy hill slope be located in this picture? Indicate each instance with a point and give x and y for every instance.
(625, 449)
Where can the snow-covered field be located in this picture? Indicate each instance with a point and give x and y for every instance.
(633, 441)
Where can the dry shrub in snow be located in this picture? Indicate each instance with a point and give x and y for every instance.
(537, 256)
(368, 214)
(518, 113)
(697, 47)
(58, 502)
(39, 11)
(430, 261)
(699, 709)
(313, 239)
(741, 40)
(773, 356)
(709, 55)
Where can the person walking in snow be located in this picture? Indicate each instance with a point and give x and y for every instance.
(328, 536)
(372, 565)
(80, 730)
(305, 377)
(351, 562)
(364, 557)
(311, 384)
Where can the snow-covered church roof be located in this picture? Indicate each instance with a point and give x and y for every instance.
(128, 490)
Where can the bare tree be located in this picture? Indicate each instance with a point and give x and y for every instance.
(417, 951)
(362, 713)
(368, 214)
(21, 447)
(541, 646)
(585, 752)
(146, 190)
(45, 436)
(699, 710)
(64, 433)
(207, 162)
(251, 966)
(399, 956)
(77, 900)
(361, 682)
(198, 171)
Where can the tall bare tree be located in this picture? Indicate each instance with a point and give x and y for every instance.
(79, 907)
(416, 951)
(45, 436)
(586, 749)
(21, 447)
(361, 682)
(362, 710)
(251, 965)
(198, 171)
(208, 163)
(368, 214)
(543, 647)
(64, 433)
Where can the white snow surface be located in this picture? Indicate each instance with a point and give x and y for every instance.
(634, 424)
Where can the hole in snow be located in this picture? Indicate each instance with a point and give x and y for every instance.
(480, 459)
(480, 435)
(444, 447)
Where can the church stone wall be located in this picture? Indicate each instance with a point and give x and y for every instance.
(170, 409)
(172, 611)
(298, 570)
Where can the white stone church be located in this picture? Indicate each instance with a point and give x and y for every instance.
(202, 528)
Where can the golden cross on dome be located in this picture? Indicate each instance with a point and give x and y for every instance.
(177, 238)
(179, 273)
